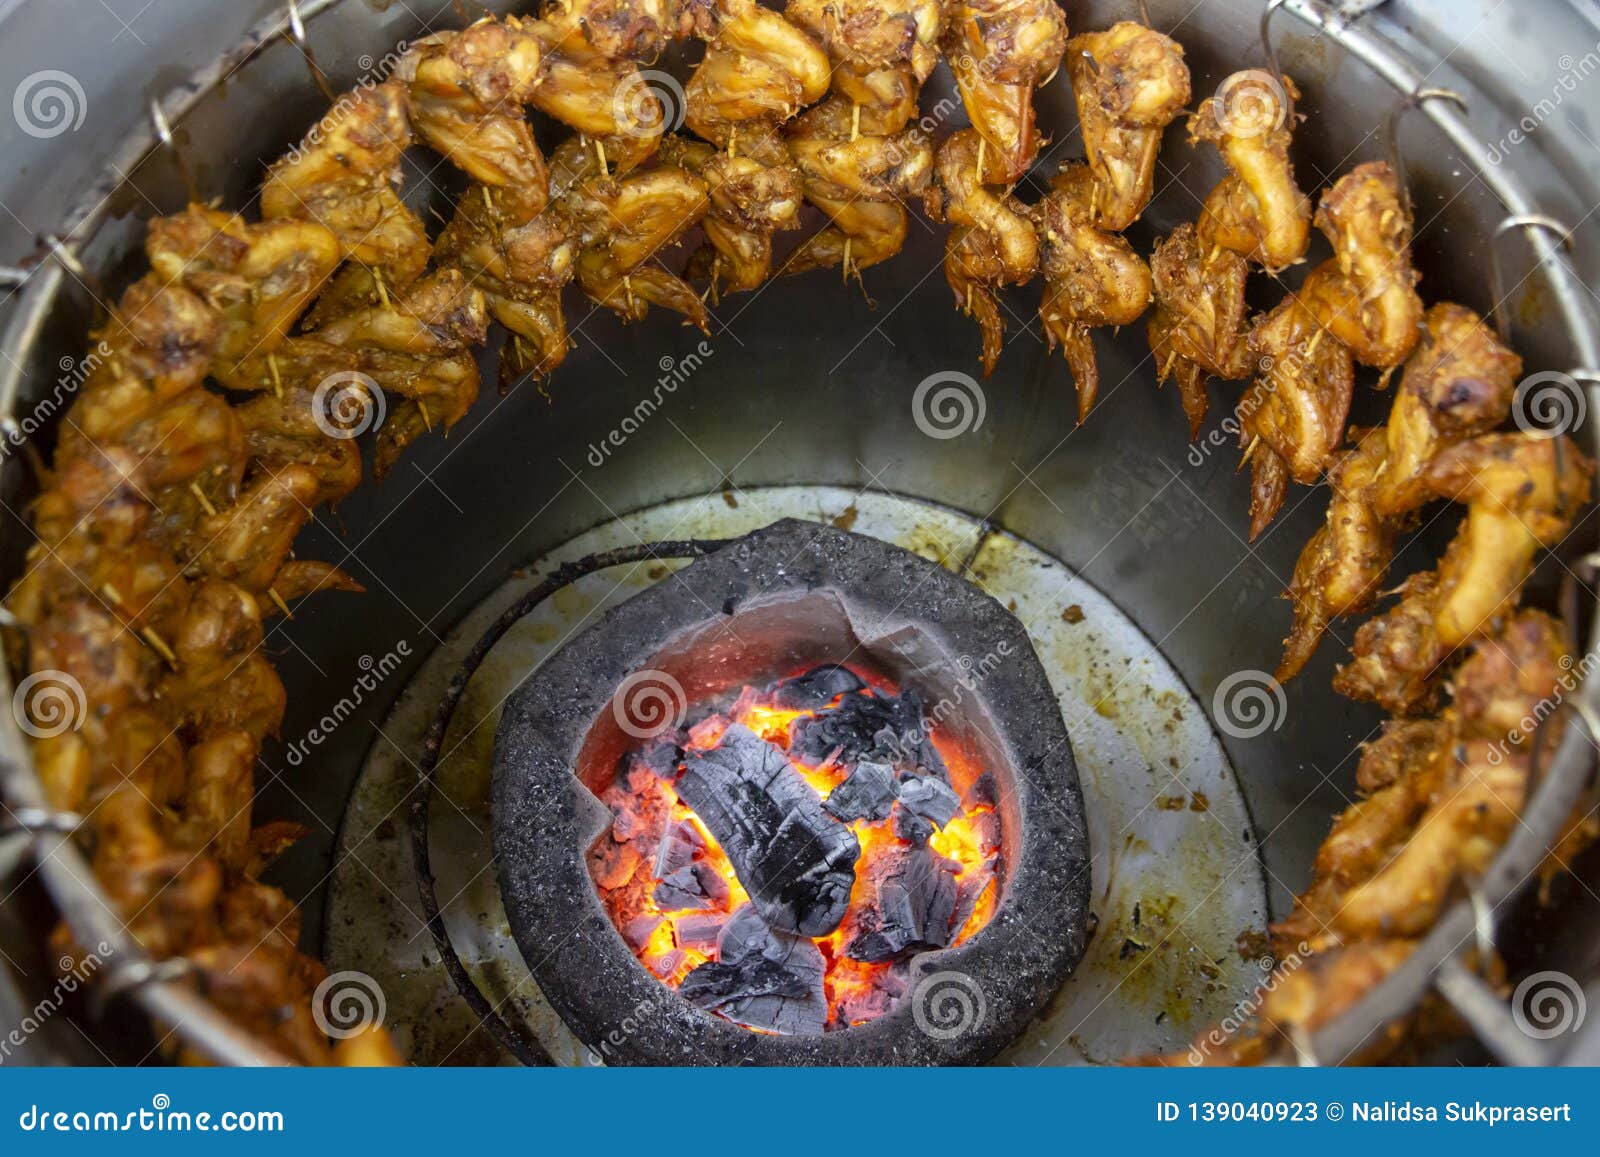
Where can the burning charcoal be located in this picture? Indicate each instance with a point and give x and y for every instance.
(692, 887)
(817, 688)
(984, 792)
(868, 794)
(614, 863)
(678, 845)
(698, 931)
(865, 726)
(887, 985)
(762, 979)
(796, 861)
(987, 827)
(929, 798)
(911, 827)
(913, 903)
(637, 932)
(658, 757)
(971, 886)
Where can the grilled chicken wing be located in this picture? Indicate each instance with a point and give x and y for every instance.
(1458, 385)
(1197, 328)
(1000, 51)
(1091, 277)
(1522, 493)
(993, 244)
(1129, 83)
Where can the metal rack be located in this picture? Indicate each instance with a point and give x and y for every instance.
(30, 830)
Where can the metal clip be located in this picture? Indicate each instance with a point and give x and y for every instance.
(1497, 284)
(296, 32)
(1397, 160)
(164, 137)
(128, 976)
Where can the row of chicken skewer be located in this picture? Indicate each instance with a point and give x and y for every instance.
(220, 417)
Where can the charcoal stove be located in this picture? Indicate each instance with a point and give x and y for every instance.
(791, 597)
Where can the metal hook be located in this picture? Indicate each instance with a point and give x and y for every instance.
(164, 136)
(1144, 14)
(1497, 283)
(1304, 1054)
(1397, 160)
(1483, 924)
(128, 975)
(296, 33)
(1270, 52)
(38, 821)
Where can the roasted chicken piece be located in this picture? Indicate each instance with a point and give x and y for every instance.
(466, 92)
(875, 34)
(623, 225)
(1258, 211)
(1129, 83)
(257, 279)
(418, 350)
(1291, 420)
(1000, 51)
(1365, 294)
(1091, 277)
(993, 243)
(753, 194)
(858, 162)
(1522, 493)
(1197, 329)
(1456, 386)
(758, 67)
(345, 175)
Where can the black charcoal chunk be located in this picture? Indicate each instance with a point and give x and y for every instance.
(868, 794)
(929, 798)
(863, 1004)
(794, 859)
(911, 827)
(698, 930)
(679, 841)
(817, 688)
(659, 756)
(762, 979)
(969, 888)
(984, 792)
(869, 727)
(637, 932)
(911, 905)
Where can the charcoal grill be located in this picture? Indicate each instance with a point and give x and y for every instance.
(825, 402)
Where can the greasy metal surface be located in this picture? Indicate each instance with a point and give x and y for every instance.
(1141, 742)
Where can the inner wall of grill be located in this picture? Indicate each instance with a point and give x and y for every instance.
(806, 382)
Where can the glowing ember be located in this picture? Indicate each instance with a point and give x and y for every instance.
(925, 876)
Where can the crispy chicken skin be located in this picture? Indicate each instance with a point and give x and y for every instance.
(759, 66)
(1091, 277)
(1197, 328)
(1456, 386)
(750, 199)
(1129, 83)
